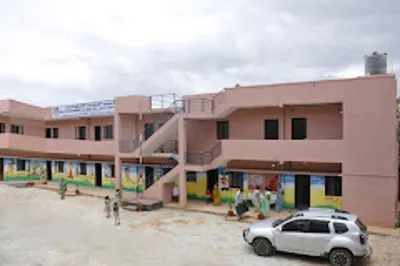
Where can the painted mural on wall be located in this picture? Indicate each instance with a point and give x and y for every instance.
(317, 194)
(287, 182)
(133, 178)
(107, 178)
(33, 169)
(71, 173)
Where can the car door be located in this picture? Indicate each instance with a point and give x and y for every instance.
(290, 237)
(317, 238)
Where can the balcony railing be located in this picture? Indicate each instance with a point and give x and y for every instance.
(204, 157)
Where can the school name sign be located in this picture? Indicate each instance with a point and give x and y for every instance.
(96, 108)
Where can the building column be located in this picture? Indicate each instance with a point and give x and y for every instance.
(117, 158)
(182, 162)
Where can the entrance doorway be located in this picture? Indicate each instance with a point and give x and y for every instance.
(98, 174)
(302, 191)
(149, 176)
(271, 129)
(48, 171)
(97, 133)
(1, 169)
(148, 130)
(299, 128)
(212, 179)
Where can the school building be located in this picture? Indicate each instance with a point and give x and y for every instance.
(329, 143)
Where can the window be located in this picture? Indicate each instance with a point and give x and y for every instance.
(108, 132)
(236, 179)
(297, 226)
(83, 168)
(271, 129)
(112, 170)
(55, 133)
(299, 128)
(80, 132)
(48, 133)
(333, 186)
(222, 130)
(360, 225)
(60, 167)
(17, 129)
(191, 177)
(2, 128)
(319, 227)
(340, 228)
(21, 165)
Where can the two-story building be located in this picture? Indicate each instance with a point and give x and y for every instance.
(329, 143)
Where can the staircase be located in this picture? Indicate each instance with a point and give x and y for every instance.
(157, 134)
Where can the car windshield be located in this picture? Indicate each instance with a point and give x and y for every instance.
(280, 221)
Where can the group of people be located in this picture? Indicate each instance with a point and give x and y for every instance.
(260, 199)
(115, 207)
(108, 203)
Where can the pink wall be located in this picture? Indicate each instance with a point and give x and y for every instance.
(67, 127)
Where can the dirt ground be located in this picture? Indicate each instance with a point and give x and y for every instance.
(37, 228)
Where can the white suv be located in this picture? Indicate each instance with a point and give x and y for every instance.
(337, 235)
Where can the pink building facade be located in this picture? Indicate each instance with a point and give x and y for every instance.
(329, 143)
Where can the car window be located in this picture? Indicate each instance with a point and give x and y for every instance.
(319, 227)
(340, 228)
(296, 226)
(360, 225)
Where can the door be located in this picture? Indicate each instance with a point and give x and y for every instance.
(299, 128)
(212, 179)
(149, 176)
(98, 174)
(1, 169)
(318, 238)
(148, 130)
(271, 130)
(291, 236)
(97, 133)
(302, 191)
(48, 171)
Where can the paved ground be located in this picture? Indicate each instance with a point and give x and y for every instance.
(37, 228)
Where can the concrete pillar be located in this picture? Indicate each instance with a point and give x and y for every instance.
(117, 158)
(182, 162)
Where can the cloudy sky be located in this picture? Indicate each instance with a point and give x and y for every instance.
(57, 52)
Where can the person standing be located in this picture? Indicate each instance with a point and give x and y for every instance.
(117, 220)
(279, 198)
(107, 207)
(208, 196)
(63, 188)
(239, 201)
(175, 193)
(265, 204)
(118, 197)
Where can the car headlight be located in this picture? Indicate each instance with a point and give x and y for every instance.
(246, 231)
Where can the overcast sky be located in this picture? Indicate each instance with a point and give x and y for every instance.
(58, 52)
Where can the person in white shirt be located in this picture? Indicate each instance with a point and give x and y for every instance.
(175, 193)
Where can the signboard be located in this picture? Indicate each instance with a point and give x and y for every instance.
(96, 108)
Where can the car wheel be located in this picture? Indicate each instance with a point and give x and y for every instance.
(262, 247)
(341, 257)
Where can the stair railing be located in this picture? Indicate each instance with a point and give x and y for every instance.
(204, 157)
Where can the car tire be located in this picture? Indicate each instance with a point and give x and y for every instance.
(341, 257)
(262, 247)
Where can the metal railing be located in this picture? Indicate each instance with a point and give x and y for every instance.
(203, 105)
(218, 99)
(163, 100)
(170, 146)
(169, 165)
(204, 157)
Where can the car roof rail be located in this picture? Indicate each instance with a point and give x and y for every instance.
(339, 217)
(342, 211)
